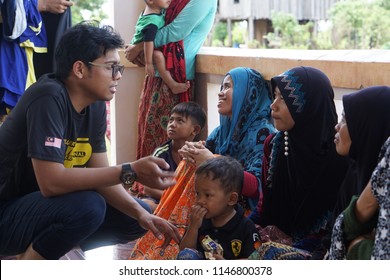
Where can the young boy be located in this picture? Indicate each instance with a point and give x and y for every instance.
(186, 121)
(217, 221)
(150, 20)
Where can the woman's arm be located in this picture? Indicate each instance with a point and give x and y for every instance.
(250, 187)
(366, 205)
(190, 17)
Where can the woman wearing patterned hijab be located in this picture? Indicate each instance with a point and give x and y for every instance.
(245, 122)
(363, 138)
(303, 171)
(242, 134)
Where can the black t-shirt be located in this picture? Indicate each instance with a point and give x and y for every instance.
(44, 125)
(238, 237)
(165, 152)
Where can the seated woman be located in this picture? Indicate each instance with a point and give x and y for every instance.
(245, 122)
(302, 171)
(365, 139)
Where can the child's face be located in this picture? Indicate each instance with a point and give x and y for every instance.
(283, 120)
(162, 4)
(181, 128)
(210, 195)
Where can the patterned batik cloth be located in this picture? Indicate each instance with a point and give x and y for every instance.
(175, 206)
(277, 251)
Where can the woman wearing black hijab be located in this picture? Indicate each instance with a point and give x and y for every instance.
(361, 135)
(304, 171)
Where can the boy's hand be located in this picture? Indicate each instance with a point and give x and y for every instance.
(197, 214)
(218, 257)
(149, 68)
(195, 152)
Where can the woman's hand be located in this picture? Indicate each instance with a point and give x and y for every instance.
(135, 54)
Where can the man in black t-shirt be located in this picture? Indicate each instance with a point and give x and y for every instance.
(57, 190)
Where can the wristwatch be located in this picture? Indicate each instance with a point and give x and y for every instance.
(128, 176)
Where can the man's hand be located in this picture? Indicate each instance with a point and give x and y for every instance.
(135, 54)
(152, 172)
(160, 228)
(54, 6)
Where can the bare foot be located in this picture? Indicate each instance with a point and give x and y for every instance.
(177, 88)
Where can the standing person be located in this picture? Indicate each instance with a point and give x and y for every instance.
(149, 21)
(25, 41)
(187, 24)
(245, 122)
(302, 171)
(362, 137)
(217, 214)
(58, 126)
(57, 18)
(21, 35)
(186, 121)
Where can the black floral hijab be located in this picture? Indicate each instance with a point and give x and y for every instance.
(367, 113)
(304, 184)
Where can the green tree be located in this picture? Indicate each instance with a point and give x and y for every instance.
(360, 24)
(384, 4)
(88, 9)
(288, 33)
(239, 33)
(220, 32)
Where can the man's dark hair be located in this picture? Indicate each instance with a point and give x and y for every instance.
(226, 169)
(193, 110)
(86, 41)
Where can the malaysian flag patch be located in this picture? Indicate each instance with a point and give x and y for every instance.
(53, 142)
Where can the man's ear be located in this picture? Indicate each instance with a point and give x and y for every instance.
(79, 69)
(233, 199)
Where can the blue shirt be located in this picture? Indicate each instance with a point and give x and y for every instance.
(192, 25)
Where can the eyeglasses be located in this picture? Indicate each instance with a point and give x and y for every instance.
(115, 68)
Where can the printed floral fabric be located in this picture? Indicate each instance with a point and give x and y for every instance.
(381, 189)
(175, 206)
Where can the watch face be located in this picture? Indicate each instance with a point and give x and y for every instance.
(128, 179)
(128, 176)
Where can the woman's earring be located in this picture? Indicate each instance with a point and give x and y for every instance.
(286, 143)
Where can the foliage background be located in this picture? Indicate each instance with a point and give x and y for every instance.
(351, 24)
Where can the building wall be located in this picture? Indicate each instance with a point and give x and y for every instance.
(261, 9)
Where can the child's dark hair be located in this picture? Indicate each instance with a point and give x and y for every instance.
(86, 41)
(193, 110)
(226, 169)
